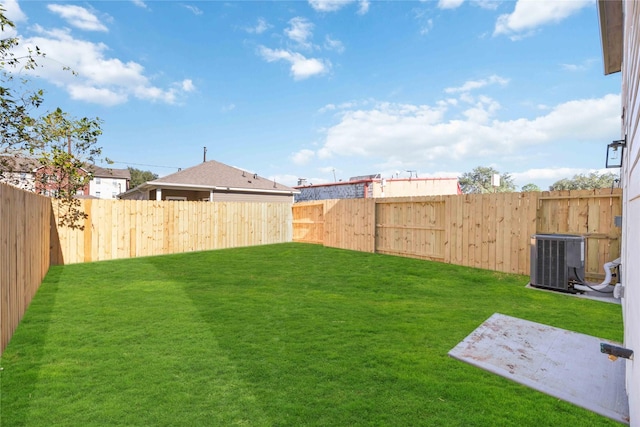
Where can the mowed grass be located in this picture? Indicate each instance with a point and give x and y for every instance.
(279, 335)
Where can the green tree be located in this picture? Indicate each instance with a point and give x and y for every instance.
(530, 187)
(65, 146)
(139, 176)
(586, 181)
(478, 181)
(17, 101)
(62, 144)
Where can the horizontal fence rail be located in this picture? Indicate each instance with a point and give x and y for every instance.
(489, 231)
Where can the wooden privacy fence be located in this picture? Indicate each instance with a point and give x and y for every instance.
(31, 240)
(133, 228)
(490, 231)
(25, 220)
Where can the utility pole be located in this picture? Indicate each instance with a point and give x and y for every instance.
(204, 159)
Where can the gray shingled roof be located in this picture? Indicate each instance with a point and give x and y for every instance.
(109, 172)
(18, 164)
(216, 174)
(29, 164)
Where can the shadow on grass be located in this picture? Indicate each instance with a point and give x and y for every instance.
(22, 359)
(286, 334)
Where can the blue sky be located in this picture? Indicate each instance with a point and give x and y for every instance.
(323, 88)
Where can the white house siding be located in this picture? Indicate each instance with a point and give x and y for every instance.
(107, 188)
(23, 180)
(631, 205)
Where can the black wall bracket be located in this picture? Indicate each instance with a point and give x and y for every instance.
(615, 351)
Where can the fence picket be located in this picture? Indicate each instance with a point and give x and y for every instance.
(489, 231)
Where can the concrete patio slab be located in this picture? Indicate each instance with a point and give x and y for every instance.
(564, 364)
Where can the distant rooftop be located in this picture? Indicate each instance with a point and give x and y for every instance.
(216, 174)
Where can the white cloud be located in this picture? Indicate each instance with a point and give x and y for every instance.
(572, 67)
(300, 30)
(193, 9)
(302, 157)
(449, 4)
(260, 27)
(328, 5)
(364, 7)
(487, 4)
(550, 175)
(481, 110)
(78, 17)
(187, 85)
(13, 11)
(289, 180)
(547, 174)
(333, 44)
(99, 79)
(405, 133)
(582, 119)
(585, 65)
(531, 14)
(301, 67)
(477, 84)
(139, 3)
(344, 106)
(95, 95)
(328, 107)
(335, 5)
(425, 22)
(327, 169)
(426, 26)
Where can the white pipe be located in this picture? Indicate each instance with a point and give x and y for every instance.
(607, 279)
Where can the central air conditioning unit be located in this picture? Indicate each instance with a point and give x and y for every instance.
(557, 261)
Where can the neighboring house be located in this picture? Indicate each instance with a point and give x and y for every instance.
(19, 172)
(108, 183)
(49, 182)
(26, 173)
(620, 36)
(212, 181)
(373, 186)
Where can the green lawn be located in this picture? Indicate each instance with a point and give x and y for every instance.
(277, 335)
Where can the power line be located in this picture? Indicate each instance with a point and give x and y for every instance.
(143, 164)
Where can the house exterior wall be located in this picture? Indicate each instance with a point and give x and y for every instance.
(631, 203)
(218, 196)
(251, 197)
(379, 188)
(49, 181)
(347, 190)
(139, 195)
(415, 187)
(107, 188)
(23, 180)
